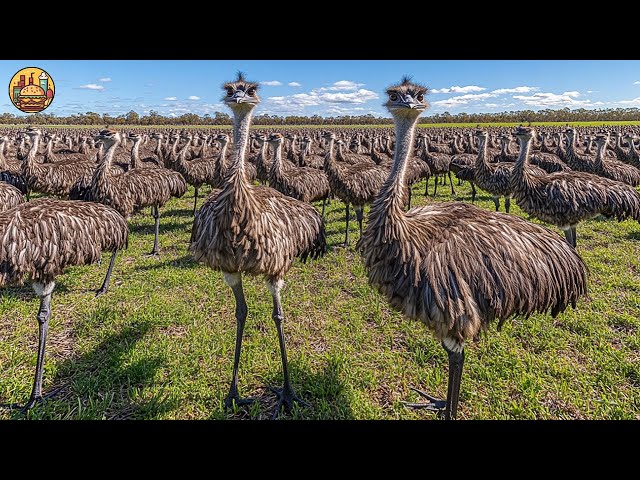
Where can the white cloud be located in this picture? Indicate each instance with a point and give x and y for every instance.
(359, 96)
(343, 97)
(92, 86)
(104, 79)
(462, 99)
(636, 83)
(634, 102)
(173, 99)
(271, 83)
(545, 99)
(341, 85)
(294, 84)
(457, 89)
(502, 91)
(193, 97)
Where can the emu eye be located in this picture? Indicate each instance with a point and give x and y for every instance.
(229, 91)
(420, 97)
(251, 91)
(393, 97)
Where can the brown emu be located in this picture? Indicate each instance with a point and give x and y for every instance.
(11, 171)
(492, 177)
(43, 237)
(456, 267)
(614, 169)
(566, 198)
(353, 184)
(52, 178)
(197, 171)
(302, 183)
(10, 196)
(134, 189)
(256, 230)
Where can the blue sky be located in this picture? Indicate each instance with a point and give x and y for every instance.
(333, 87)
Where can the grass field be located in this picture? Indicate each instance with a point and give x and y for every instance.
(159, 344)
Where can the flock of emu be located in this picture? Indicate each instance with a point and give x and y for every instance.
(451, 265)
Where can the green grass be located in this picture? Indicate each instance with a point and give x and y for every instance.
(159, 344)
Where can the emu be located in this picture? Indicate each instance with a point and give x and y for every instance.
(456, 267)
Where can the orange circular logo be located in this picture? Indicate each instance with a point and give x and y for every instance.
(31, 90)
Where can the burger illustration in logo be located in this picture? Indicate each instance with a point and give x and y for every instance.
(31, 90)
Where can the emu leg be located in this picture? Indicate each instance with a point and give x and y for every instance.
(574, 236)
(496, 202)
(346, 237)
(409, 205)
(286, 396)
(44, 314)
(195, 201)
(234, 280)
(156, 217)
(456, 362)
(453, 192)
(450, 406)
(324, 204)
(105, 284)
(359, 216)
(507, 203)
(435, 185)
(426, 187)
(473, 192)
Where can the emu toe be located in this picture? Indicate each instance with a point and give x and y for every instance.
(287, 398)
(433, 404)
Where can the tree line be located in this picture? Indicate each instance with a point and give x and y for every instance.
(220, 118)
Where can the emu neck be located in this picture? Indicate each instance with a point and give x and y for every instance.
(571, 144)
(520, 170)
(276, 166)
(389, 202)
(3, 160)
(221, 164)
(241, 124)
(135, 154)
(329, 160)
(31, 156)
(599, 154)
(481, 159)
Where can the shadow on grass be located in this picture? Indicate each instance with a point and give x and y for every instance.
(186, 261)
(325, 392)
(103, 383)
(633, 235)
(149, 229)
(25, 292)
(180, 212)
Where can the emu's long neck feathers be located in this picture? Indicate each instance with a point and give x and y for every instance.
(108, 158)
(276, 166)
(35, 143)
(520, 167)
(241, 124)
(3, 159)
(390, 199)
(481, 159)
(328, 158)
(135, 154)
(599, 153)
